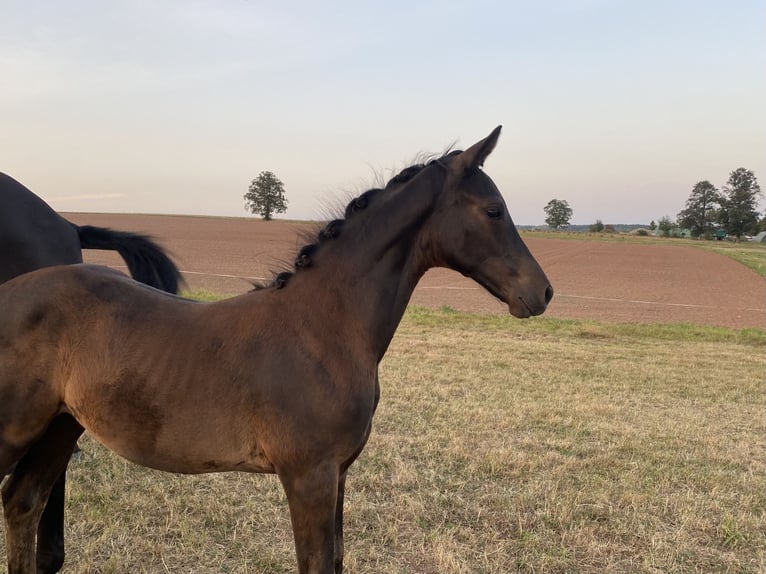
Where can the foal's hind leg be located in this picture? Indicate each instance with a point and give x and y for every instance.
(27, 489)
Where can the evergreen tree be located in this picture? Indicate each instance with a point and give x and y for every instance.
(738, 213)
(701, 210)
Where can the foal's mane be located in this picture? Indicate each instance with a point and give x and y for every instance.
(334, 228)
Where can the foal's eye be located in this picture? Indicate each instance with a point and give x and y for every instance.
(494, 212)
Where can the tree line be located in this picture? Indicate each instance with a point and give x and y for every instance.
(732, 210)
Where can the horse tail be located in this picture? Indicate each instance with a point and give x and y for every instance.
(147, 261)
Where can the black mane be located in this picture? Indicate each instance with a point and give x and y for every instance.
(334, 228)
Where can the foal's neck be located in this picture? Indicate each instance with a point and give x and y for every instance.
(381, 255)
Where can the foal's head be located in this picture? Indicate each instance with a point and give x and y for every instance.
(463, 224)
(472, 232)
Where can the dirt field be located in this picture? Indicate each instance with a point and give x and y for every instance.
(614, 282)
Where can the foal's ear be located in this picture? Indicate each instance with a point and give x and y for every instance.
(474, 156)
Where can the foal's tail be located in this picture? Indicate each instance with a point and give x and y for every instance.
(147, 261)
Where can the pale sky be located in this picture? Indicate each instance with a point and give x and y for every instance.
(163, 106)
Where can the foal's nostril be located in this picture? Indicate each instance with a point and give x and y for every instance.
(548, 294)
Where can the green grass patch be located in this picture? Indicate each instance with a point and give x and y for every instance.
(202, 295)
(752, 255)
(447, 318)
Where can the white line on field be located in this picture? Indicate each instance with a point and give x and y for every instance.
(454, 288)
(450, 288)
(612, 299)
(124, 267)
(639, 302)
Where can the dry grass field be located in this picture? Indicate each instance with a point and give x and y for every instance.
(584, 441)
(500, 446)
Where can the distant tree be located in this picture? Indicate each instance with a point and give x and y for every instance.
(558, 213)
(597, 227)
(652, 225)
(666, 226)
(266, 196)
(701, 210)
(738, 212)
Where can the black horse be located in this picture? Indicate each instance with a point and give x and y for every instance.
(32, 236)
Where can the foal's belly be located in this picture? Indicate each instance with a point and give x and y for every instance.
(181, 456)
(181, 441)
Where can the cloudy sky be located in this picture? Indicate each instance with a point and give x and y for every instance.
(162, 106)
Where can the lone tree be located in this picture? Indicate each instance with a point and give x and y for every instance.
(701, 210)
(738, 213)
(558, 213)
(266, 196)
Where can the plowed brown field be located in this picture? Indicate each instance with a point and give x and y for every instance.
(604, 281)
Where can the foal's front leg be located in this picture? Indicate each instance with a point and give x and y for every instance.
(312, 495)
(339, 550)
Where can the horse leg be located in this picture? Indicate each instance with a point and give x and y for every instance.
(312, 496)
(339, 547)
(50, 532)
(339, 550)
(27, 489)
